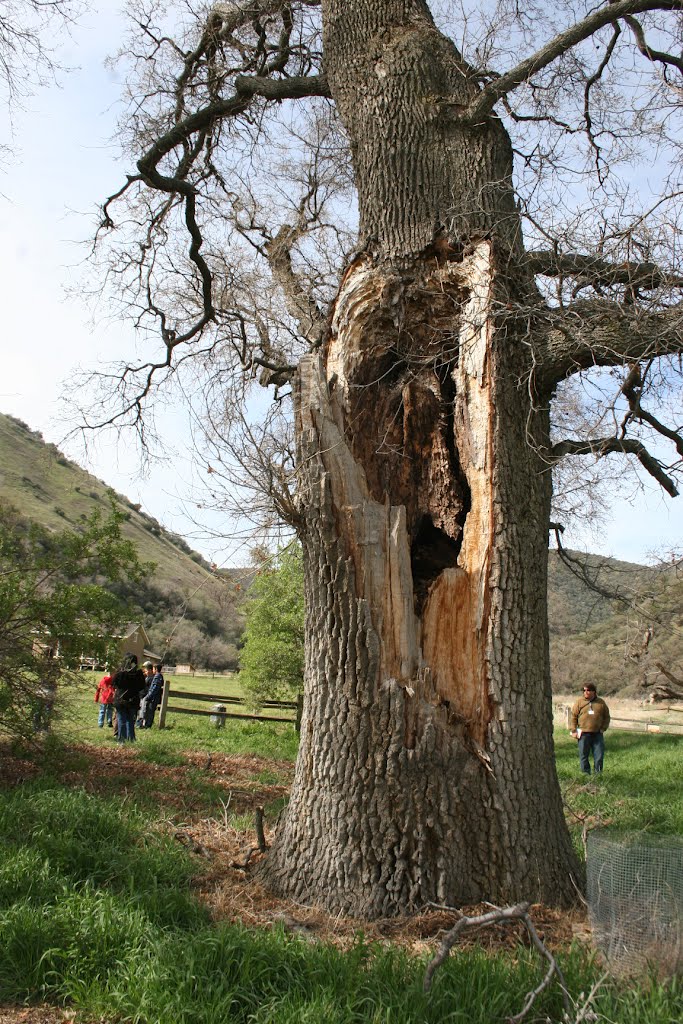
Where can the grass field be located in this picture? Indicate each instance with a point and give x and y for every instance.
(99, 909)
(78, 720)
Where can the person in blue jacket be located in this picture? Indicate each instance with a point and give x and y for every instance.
(153, 698)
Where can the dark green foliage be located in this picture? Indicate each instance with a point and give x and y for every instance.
(53, 608)
(49, 489)
(272, 660)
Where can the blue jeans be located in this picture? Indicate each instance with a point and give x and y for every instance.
(106, 711)
(126, 719)
(591, 742)
(148, 718)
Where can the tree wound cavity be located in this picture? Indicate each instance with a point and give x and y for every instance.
(431, 552)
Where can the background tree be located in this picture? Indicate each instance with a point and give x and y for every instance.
(272, 658)
(53, 598)
(513, 233)
(28, 29)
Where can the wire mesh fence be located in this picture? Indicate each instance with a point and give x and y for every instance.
(635, 900)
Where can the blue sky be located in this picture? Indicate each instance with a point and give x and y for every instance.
(63, 166)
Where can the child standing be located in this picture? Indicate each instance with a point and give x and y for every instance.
(104, 696)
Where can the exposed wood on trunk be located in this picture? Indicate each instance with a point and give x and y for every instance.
(426, 766)
(416, 723)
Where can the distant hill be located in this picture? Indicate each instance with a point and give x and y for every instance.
(619, 645)
(592, 637)
(184, 598)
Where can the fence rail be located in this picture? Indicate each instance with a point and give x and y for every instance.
(563, 711)
(219, 699)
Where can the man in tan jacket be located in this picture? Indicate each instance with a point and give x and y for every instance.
(589, 719)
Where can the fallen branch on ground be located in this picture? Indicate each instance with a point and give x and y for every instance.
(503, 915)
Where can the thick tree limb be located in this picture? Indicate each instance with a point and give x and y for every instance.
(627, 446)
(246, 87)
(300, 303)
(656, 56)
(599, 271)
(608, 14)
(604, 333)
(282, 88)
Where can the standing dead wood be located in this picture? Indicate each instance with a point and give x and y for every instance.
(260, 835)
(415, 356)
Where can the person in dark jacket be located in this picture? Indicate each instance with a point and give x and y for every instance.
(148, 670)
(153, 698)
(129, 682)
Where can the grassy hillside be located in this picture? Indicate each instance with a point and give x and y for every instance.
(617, 645)
(49, 489)
(592, 637)
(572, 605)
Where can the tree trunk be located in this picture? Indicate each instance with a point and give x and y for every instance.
(426, 768)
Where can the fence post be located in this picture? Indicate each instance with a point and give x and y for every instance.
(164, 703)
(299, 711)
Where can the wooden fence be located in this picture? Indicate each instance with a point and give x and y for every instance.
(292, 706)
(563, 713)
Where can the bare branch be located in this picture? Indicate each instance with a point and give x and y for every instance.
(626, 446)
(503, 915)
(580, 568)
(28, 30)
(609, 14)
(656, 56)
(632, 390)
(599, 271)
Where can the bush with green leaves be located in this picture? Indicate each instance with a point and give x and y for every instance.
(55, 607)
(272, 660)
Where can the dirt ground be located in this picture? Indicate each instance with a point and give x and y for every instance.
(227, 858)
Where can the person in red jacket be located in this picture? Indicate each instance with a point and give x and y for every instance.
(104, 696)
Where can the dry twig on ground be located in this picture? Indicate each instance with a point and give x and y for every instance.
(503, 915)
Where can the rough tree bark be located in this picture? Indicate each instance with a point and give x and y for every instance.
(426, 768)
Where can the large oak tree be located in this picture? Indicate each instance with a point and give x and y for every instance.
(503, 245)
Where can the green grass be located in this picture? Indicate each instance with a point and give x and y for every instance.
(77, 720)
(640, 788)
(96, 912)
